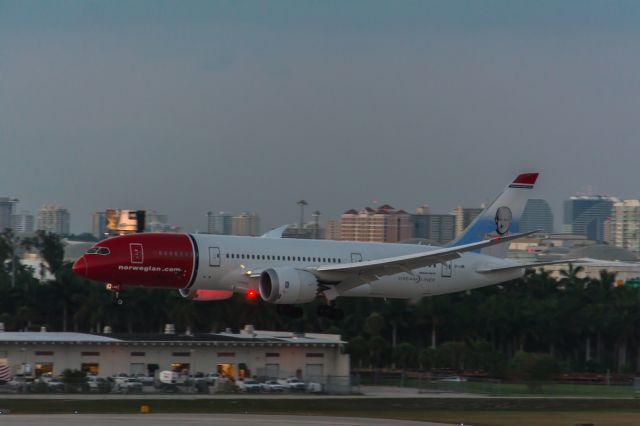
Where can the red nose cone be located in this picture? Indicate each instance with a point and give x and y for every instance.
(80, 267)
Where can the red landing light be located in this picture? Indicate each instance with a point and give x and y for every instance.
(251, 294)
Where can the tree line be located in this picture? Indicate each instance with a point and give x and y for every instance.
(585, 324)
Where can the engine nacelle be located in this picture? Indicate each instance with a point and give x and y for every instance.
(202, 295)
(287, 286)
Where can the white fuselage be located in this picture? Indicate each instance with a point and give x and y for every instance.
(228, 263)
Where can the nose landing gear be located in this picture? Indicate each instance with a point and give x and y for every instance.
(115, 289)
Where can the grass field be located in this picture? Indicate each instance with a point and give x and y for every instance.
(479, 412)
(509, 389)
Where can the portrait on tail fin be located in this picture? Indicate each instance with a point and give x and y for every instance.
(503, 220)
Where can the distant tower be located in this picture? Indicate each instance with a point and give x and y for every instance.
(586, 215)
(7, 206)
(301, 203)
(537, 215)
(53, 218)
(316, 222)
(23, 223)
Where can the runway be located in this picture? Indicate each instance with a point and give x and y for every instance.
(196, 420)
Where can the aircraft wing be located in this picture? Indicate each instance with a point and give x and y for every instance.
(604, 264)
(372, 269)
(531, 265)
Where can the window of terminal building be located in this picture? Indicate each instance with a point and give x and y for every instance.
(271, 355)
(43, 368)
(181, 354)
(314, 355)
(90, 368)
(226, 354)
(90, 353)
(44, 353)
(225, 370)
(138, 353)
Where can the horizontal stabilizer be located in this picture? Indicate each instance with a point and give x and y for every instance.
(583, 261)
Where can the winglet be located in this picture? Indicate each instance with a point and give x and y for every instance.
(275, 233)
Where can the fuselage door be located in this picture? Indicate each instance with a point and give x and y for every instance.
(446, 269)
(137, 255)
(356, 257)
(214, 256)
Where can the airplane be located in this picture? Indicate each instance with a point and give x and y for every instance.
(288, 272)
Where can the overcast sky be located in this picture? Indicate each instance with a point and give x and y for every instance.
(189, 106)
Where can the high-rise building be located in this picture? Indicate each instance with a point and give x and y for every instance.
(464, 216)
(586, 215)
(23, 222)
(436, 228)
(245, 224)
(332, 230)
(7, 206)
(536, 215)
(99, 225)
(624, 225)
(219, 223)
(384, 224)
(53, 218)
(157, 222)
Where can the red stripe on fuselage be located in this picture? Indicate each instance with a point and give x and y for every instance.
(151, 260)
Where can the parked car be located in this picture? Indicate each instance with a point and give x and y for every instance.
(211, 378)
(119, 378)
(98, 384)
(313, 387)
(129, 385)
(273, 386)
(144, 379)
(55, 385)
(249, 385)
(293, 384)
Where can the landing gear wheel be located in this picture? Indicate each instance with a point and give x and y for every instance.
(117, 300)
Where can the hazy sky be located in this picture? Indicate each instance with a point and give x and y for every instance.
(189, 106)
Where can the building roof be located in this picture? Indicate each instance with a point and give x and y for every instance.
(245, 336)
(602, 252)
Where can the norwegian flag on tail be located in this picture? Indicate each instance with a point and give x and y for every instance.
(5, 372)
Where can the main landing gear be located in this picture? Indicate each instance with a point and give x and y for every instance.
(330, 311)
(116, 289)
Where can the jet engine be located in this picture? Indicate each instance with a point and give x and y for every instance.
(202, 295)
(287, 286)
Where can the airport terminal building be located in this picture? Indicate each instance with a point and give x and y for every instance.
(249, 353)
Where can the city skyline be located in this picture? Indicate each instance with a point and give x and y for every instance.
(189, 107)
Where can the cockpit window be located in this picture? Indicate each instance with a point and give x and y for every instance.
(99, 250)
